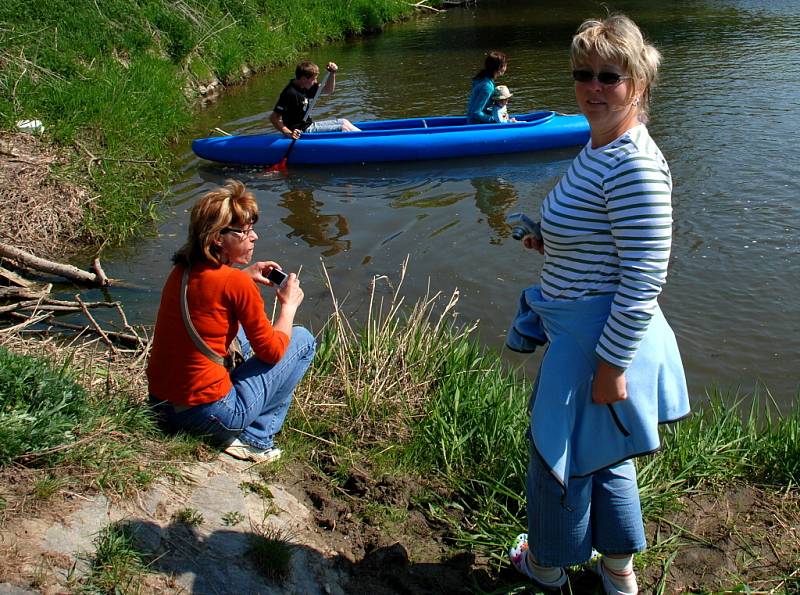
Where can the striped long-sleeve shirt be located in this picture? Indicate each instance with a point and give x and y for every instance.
(607, 228)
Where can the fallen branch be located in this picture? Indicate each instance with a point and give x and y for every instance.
(101, 274)
(124, 338)
(54, 268)
(421, 4)
(96, 326)
(12, 277)
(28, 321)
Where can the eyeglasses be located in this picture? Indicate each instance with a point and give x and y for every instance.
(245, 233)
(604, 78)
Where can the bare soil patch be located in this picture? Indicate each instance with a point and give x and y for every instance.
(737, 535)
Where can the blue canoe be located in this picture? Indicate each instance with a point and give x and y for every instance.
(410, 139)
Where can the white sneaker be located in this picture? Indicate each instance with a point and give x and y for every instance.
(244, 452)
(518, 553)
(609, 587)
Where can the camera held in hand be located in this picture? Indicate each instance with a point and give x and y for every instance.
(277, 277)
(522, 225)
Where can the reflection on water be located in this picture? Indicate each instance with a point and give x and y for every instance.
(725, 115)
(312, 226)
(494, 197)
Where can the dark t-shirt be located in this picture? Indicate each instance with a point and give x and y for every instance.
(293, 103)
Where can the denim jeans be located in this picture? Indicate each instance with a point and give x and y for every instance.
(256, 406)
(599, 511)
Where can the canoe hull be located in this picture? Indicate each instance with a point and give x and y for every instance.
(402, 140)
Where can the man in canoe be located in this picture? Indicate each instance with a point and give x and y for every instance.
(290, 115)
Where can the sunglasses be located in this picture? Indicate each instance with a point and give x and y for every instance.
(604, 78)
(244, 233)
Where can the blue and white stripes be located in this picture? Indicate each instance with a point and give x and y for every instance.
(607, 229)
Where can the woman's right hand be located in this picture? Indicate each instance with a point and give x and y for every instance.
(291, 294)
(533, 243)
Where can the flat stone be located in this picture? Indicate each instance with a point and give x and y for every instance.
(8, 589)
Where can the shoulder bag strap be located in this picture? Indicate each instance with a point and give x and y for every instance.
(187, 321)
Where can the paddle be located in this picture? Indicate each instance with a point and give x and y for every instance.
(281, 165)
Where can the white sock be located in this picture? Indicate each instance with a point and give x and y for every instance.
(545, 574)
(620, 572)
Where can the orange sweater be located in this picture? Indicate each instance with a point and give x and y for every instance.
(220, 298)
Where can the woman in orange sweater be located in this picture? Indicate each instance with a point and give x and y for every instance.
(206, 303)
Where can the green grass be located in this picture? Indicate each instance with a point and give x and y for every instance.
(104, 439)
(41, 408)
(271, 552)
(189, 516)
(116, 566)
(114, 81)
(232, 518)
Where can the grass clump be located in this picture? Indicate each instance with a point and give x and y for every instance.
(271, 552)
(189, 516)
(376, 380)
(232, 518)
(70, 420)
(117, 566)
(41, 408)
(258, 488)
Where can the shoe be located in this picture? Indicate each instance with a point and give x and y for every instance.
(610, 588)
(244, 452)
(519, 558)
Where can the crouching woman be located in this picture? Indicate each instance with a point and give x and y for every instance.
(208, 305)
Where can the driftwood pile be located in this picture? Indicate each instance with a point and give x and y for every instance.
(29, 305)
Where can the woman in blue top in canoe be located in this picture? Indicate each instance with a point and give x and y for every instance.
(479, 108)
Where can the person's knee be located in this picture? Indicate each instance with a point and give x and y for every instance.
(304, 340)
(348, 126)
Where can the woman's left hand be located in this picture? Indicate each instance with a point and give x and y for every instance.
(533, 243)
(609, 384)
(258, 271)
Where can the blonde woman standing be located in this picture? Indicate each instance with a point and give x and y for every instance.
(612, 371)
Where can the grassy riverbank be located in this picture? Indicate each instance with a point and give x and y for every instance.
(410, 403)
(115, 82)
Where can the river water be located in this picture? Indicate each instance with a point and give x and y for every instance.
(725, 114)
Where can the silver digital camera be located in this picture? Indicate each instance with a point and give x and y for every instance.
(522, 225)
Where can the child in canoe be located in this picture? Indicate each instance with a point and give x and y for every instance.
(289, 114)
(500, 99)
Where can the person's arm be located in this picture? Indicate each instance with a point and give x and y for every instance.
(290, 295)
(330, 85)
(277, 122)
(638, 194)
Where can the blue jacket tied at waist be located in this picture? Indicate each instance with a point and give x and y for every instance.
(573, 435)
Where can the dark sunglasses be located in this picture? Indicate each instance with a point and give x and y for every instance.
(604, 78)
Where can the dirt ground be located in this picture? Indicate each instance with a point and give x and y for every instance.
(365, 534)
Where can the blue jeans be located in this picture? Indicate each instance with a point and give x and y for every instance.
(256, 406)
(599, 511)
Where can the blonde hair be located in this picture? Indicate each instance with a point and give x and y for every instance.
(231, 205)
(617, 39)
